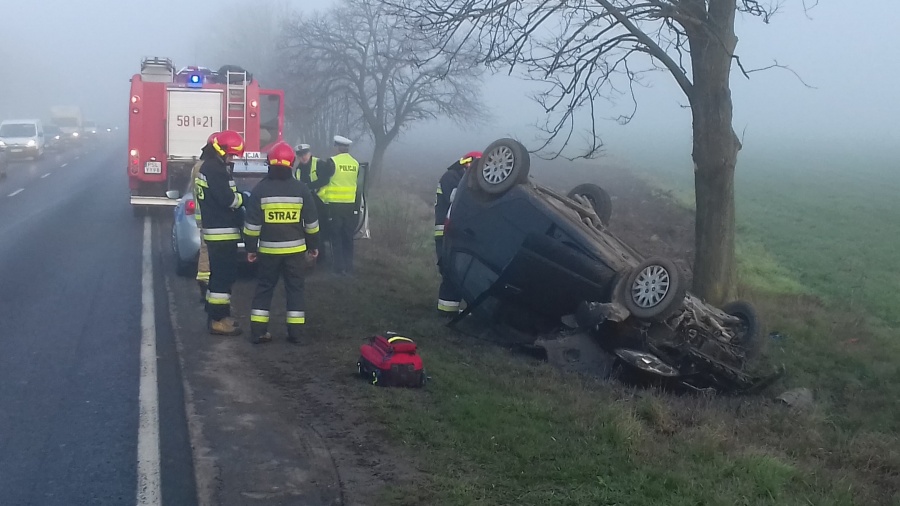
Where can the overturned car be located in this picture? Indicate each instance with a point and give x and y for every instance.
(545, 264)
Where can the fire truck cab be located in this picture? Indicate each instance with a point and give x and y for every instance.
(173, 113)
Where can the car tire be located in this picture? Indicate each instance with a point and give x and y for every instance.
(504, 164)
(749, 339)
(598, 197)
(654, 290)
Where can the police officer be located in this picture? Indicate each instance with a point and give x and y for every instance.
(336, 181)
(282, 227)
(448, 295)
(203, 258)
(219, 202)
(306, 171)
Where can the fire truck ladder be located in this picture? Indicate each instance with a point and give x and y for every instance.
(236, 101)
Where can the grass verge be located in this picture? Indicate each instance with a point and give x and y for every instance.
(494, 427)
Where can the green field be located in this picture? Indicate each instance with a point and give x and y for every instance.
(493, 427)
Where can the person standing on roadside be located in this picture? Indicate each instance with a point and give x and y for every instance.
(219, 202)
(282, 231)
(336, 186)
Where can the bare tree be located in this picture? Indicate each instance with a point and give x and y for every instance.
(369, 54)
(316, 106)
(590, 50)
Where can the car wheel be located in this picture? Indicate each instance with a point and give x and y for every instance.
(748, 332)
(599, 199)
(505, 163)
(655, 289)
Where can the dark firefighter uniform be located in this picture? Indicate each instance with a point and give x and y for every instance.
(219, 202)
(281, 224)
(307, 173)
(448, 296)
(336, 186)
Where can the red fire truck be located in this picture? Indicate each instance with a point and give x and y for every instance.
(173, 113)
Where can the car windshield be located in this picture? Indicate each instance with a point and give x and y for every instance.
(51, 130)
(67, 122)
(18, 130)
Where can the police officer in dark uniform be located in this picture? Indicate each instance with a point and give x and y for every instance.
(219, 201)
(282, 226)
(306, 171)
(336, 186)
(448, 295)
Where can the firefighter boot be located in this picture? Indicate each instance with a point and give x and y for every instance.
(259, 332)
(264, 338)
(224, 327)
(294, 334)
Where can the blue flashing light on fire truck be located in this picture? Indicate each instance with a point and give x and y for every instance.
(171, 114)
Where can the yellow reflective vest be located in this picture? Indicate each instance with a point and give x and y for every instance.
(312, 171)
(341, 189)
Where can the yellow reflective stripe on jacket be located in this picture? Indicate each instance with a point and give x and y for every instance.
(252, 230)
(312, 169)
(311, 228)
(282, 247)
(341, 189)
(221, 234)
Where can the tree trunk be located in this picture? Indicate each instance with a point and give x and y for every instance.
(377, 162)
(715, 149)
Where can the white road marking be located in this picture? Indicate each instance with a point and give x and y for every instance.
(63, 165)
(13, 194)
(45, 175)
(148, 466)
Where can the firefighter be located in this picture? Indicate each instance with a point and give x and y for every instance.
(219, 202)
(281, 230)
(203, 258)
(336, 185)
(448, 294)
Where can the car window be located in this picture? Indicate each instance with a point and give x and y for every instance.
(18, 130)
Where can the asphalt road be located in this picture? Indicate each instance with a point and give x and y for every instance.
(70, 338)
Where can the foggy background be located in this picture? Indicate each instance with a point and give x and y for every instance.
(57, 52)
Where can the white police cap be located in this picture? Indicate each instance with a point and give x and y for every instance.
(302, 147)
(340, 140)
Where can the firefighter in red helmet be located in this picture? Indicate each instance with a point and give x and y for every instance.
(448, 294)
(219, 202)
(203, 257)
(282, 232)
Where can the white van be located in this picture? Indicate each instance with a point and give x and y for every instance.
(22, 138)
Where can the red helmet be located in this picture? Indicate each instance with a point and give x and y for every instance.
(470, 157)
(228, 142)
(212, 136)
(281, 154)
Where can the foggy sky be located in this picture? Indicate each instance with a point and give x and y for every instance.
(63, 52)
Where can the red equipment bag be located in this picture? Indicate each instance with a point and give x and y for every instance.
(391, 360)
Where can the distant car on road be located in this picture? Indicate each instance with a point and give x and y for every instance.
(89, 128)
(23, 138)
(527, 256)
(53, 138)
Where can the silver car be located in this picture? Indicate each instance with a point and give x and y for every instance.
(247, 172)
(186, 233)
